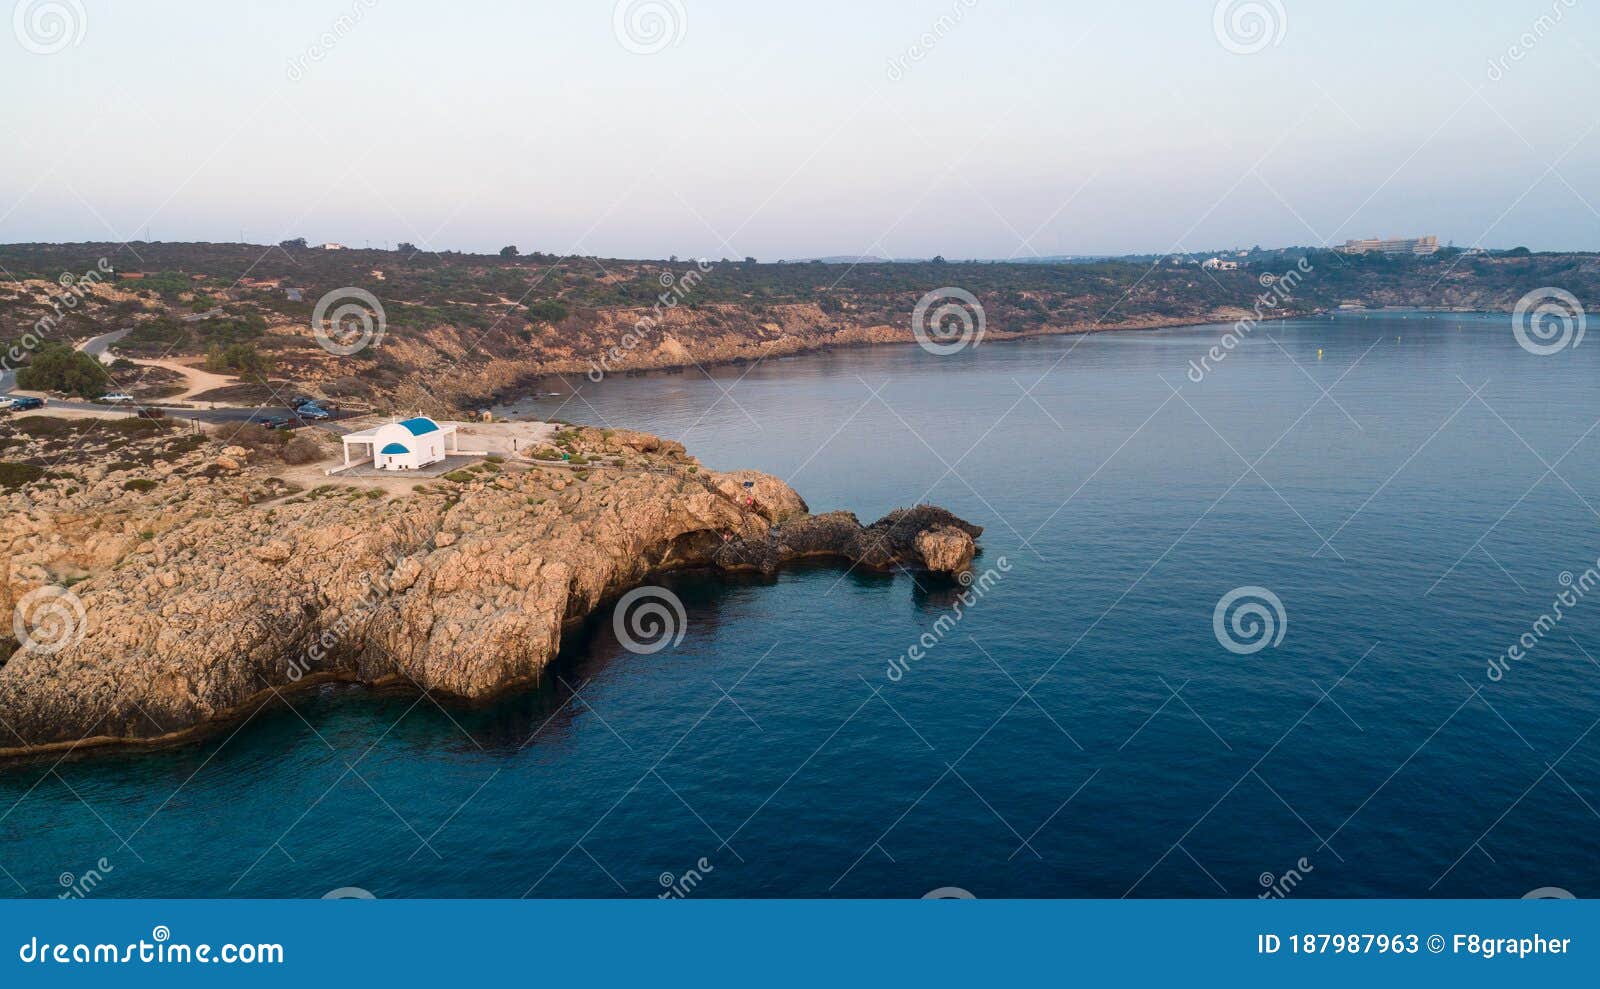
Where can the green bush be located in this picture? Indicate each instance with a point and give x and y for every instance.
(57, 367)
(547, 311)
(139, 484)
(16, 475)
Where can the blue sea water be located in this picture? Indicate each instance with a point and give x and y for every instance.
(1411, 488)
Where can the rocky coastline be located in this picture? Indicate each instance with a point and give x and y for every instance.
(152, 613)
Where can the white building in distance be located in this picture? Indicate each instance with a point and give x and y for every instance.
(1219, 264)
(409, 444)
(1392, 245)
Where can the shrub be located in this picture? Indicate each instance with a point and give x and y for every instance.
(16, 475)
(300, 450)
(139, 484)
(547, 311)
(57, 367)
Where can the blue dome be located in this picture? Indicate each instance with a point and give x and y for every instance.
(420, 425)
(394, 448)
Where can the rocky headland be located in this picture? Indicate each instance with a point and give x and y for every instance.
(163, 583)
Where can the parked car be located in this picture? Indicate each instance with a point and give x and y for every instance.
(5, 404)
(312, 412)
(117, 398)
(152, 413)
(24, 404)
(279, 422)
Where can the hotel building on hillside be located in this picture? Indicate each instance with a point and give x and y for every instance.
(1395, 245)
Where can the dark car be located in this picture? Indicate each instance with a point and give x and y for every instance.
(278, 422)
(25, 404)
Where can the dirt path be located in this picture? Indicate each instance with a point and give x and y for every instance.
(197, 380)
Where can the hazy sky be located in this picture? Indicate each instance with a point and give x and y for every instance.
(786, 130)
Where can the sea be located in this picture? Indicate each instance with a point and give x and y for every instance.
(1305, 611)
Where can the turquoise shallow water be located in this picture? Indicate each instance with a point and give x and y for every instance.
(1081, 731)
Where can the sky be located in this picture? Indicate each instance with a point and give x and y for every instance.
(727, 128)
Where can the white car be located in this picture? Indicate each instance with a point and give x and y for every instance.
(5, 403)
(117, 398)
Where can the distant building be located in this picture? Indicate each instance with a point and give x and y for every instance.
(330, 246)
(409, 444)
(294, 294)
(1219, 264)
(1392, 245)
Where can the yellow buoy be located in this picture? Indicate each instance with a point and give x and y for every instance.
(1319, 353)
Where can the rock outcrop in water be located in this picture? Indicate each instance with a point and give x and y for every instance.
(200, 601)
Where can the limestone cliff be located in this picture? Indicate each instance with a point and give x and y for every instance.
(203, 594)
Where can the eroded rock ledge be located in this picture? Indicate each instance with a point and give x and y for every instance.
(199, 605)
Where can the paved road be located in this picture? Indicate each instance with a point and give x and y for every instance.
(97, 346)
